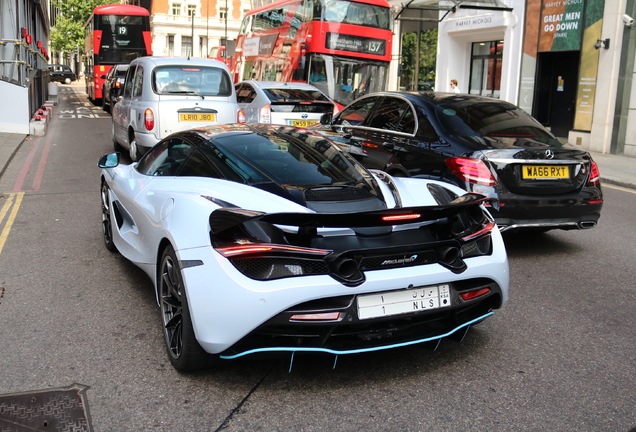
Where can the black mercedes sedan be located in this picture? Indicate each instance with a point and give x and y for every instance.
(480, 144)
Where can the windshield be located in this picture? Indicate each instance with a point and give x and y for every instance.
(354, 78)
(196, 80)
(345, 80)
(347, 12)
(489, 119)
(122, 38)
(286, 159)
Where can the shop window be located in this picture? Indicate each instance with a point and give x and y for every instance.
(485, 68)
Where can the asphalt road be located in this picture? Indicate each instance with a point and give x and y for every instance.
(561, 355)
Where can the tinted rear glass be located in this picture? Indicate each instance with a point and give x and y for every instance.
(285, 95)
(305, 159)
(489, 119)
(196, 80)
(295, 100)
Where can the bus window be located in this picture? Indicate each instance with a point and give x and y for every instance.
(354, 78)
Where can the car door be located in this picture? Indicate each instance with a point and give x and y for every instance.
(400, 136)
(121, 110)
(350, 125)
(145, 196)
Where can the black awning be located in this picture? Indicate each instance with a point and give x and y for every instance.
(447, 6)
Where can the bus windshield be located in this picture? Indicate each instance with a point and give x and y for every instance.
(122, 38)
(346, 79)
(348, 12)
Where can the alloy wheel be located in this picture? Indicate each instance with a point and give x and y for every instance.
(171, 305)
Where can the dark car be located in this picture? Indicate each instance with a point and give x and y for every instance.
(114, 81)
(62, 73)
(480, 144)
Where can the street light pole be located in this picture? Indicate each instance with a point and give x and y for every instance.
(207, 28)
(192, 38)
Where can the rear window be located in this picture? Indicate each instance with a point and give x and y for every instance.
(195, 80)
(489, 119)
(298, 100)
(287, 160)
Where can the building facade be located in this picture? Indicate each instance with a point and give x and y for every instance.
(569, 63)
(175, 33)
(24, 75)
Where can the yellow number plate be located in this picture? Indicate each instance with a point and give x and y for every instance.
(546, 171)
(303, 123)
(197, 117)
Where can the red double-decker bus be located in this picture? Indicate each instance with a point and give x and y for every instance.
(342, 47)
(115, 34)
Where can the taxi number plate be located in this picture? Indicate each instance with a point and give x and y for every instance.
(546, 171)
(403, 302)
(302, 123)
(197, 117)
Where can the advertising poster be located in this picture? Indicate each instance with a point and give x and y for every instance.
(588, 71)
(561, 25)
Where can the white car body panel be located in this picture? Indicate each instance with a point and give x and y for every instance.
(225, 304)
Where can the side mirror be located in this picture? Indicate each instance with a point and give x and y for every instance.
(102, 76)
(326, 119)
(108, 161)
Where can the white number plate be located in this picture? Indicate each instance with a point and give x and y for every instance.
(403, 302)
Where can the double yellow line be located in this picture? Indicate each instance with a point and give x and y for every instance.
(10, 208)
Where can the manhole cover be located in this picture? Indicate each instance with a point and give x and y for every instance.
(60, 410)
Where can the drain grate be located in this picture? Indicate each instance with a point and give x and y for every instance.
(61, 409)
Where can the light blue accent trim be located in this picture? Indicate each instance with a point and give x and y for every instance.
(354, 351)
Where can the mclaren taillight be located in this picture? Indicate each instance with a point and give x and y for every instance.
(252, 249)
(265, 114)
(483, 231)
(268, 262)
(595, 175)
(471, 170)
(240, 116)
(478, 242)
(474, 294)
(149, 119)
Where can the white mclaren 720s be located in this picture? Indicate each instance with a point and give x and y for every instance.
(263, 238)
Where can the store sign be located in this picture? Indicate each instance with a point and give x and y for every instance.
(476, 22)
(343, 42)
(561, 25)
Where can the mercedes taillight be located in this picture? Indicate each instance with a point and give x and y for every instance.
(595, 175)
(471, 170)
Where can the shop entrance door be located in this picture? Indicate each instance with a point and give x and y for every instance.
(556, 89)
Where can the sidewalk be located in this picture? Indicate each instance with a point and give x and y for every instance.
(617, 170)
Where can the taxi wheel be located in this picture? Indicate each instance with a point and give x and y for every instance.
(134, 151)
